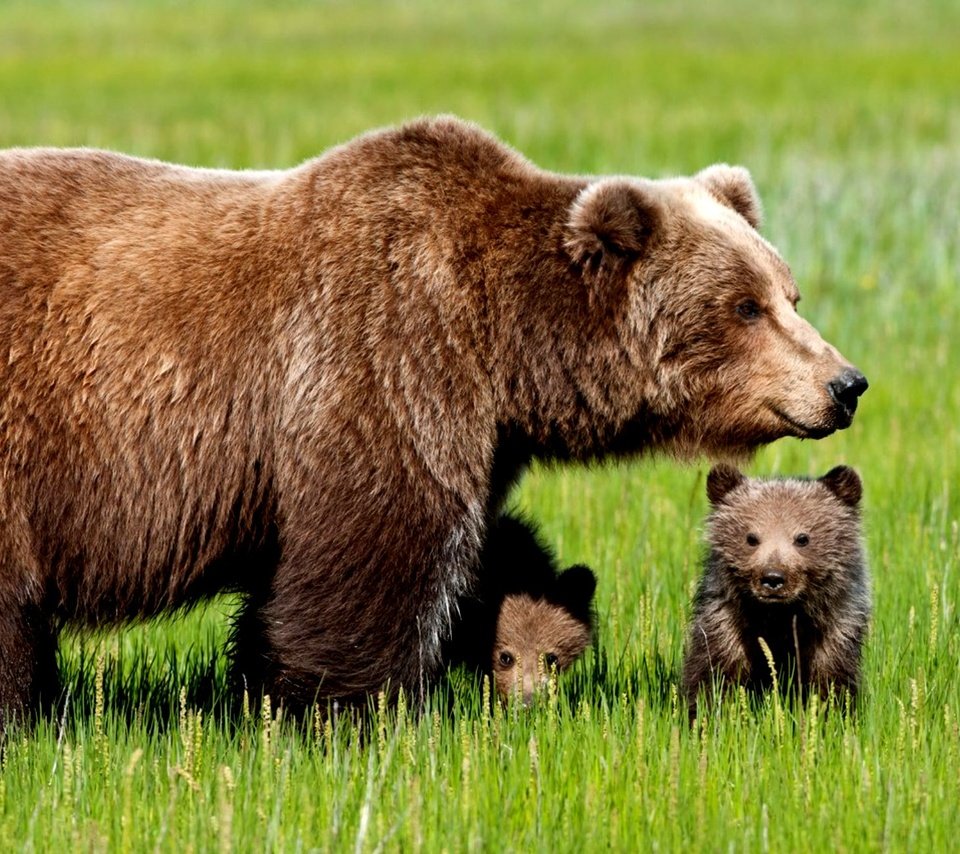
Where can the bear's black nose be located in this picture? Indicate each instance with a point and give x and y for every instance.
(773, 579)
(845, 390)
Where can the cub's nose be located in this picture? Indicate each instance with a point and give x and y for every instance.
(773, 579)
(846, 389)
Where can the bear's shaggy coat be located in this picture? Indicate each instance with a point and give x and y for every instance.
(786, 564)
(316, 386)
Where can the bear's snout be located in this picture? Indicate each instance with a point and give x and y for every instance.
(776, 582)
(773, 580)
(845, 390)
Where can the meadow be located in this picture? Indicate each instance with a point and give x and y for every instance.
(848, 116)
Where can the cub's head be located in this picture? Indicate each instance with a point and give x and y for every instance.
(780, 541)
(710, 354)
(537, 636)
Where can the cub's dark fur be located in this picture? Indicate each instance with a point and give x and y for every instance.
(786, 563)
(522, 610)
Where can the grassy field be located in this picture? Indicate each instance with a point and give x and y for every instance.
(848, 115)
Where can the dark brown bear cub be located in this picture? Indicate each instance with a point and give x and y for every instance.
(785, 564)
(526, 619)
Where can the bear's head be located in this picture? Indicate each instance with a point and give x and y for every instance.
(779, 541)
(705, 350)
(537, 636)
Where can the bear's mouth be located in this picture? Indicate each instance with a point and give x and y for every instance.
(772, 597)
(801, 430)
(844, 415)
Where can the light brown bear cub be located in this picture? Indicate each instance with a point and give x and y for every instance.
(526, 620)
(786, 564)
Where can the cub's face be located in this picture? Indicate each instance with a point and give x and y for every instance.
(783, 541)
(534, 638)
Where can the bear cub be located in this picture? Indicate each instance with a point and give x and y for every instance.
(525, 619)
(785, 563)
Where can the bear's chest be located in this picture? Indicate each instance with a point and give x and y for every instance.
(789, 637)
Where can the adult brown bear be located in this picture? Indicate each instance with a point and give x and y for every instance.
(316, 386)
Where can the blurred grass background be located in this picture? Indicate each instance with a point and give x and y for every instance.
(848, 116)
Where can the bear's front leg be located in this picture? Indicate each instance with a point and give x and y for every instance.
(357, 608)
(834, 665)
(697, 674)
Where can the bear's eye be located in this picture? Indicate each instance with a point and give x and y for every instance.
(753, 540)
(506, 659)
(749, 310)
(802, 540)
(550, 659)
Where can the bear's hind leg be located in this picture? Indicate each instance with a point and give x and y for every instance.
(249, 651)
(29, 681)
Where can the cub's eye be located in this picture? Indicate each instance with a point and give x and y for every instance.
(753, 540)
(749, 310)
(505, 659)
(802, 539)
(550, 659)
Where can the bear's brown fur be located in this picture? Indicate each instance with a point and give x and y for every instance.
(316, 386)
(524, 619)
(786, 564)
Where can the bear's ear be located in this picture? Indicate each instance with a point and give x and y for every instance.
(845, 483)
(609, 222)
(575, 589)
(733, 186)
(721, 480)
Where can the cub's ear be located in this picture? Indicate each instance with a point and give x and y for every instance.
(721, 480)
(845, 483)
(575, 589)
(611, 220)
(733, 186)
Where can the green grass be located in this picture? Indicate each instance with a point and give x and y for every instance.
(848, 115)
